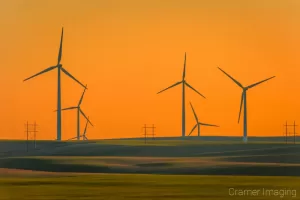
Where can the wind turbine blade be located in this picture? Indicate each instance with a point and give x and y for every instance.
(67, 108)
(242, 101)
(238, 83)
(86, 117)
(204, 124)
(255, 84)
(85, 127)
(60, 46)
(184, 67)
(193, 129)
(72, 138)
(196, 118)
(67, 73)
(46, 70)
(194, 89)
(170, 87)
(82, 95)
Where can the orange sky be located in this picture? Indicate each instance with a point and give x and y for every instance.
(127, 51)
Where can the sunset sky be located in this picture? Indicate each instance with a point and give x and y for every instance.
(128, 50)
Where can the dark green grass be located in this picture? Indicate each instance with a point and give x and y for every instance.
(134, 147)
(191, 150)
(22, 147)
(138, 158)
(249, 159)
(264, 159)
(151, 165)
(144, 187)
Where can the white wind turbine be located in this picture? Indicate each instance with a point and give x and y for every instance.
(198, 123)
(79, 111)
(184, 83)
(59, 69)
(84, 132)
(244, 100)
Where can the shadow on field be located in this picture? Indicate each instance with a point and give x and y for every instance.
(154, 165)
(94, 149)
(48, 165)
(38, 164)
(293, 158)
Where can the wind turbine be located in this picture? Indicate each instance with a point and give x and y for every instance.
(244, 100)
(78, 113)
(84, 133)
(198, 123)
(59, 69)
(184, 83)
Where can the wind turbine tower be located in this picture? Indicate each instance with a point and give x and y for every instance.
(244, 100)
(59, 69)
(198, 123)
(184, 83)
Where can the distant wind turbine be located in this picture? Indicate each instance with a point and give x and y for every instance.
(244, 100)
(59, 69)
(79, 110)
(84, 132)
(198, 123)
(184, 83)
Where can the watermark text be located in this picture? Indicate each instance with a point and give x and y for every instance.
(271, 192)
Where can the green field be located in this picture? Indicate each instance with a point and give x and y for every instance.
(146, 187)
(160, 169)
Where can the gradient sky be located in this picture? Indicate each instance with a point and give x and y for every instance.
(128, 50)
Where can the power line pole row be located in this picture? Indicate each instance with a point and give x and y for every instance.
(286, 132)
(147, 134)
(30, 128)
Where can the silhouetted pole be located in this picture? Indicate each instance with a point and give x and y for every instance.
(295, 132)
(145, 127)
(286, 132)
(153, 131)
(149, 134)
(34, 130)
(27, 132)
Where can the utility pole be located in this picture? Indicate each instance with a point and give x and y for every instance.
(145, 127)
(34, 131)
(294, 132)
(153, 131)
(27, 132)
(145, 131)
(286, 132)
